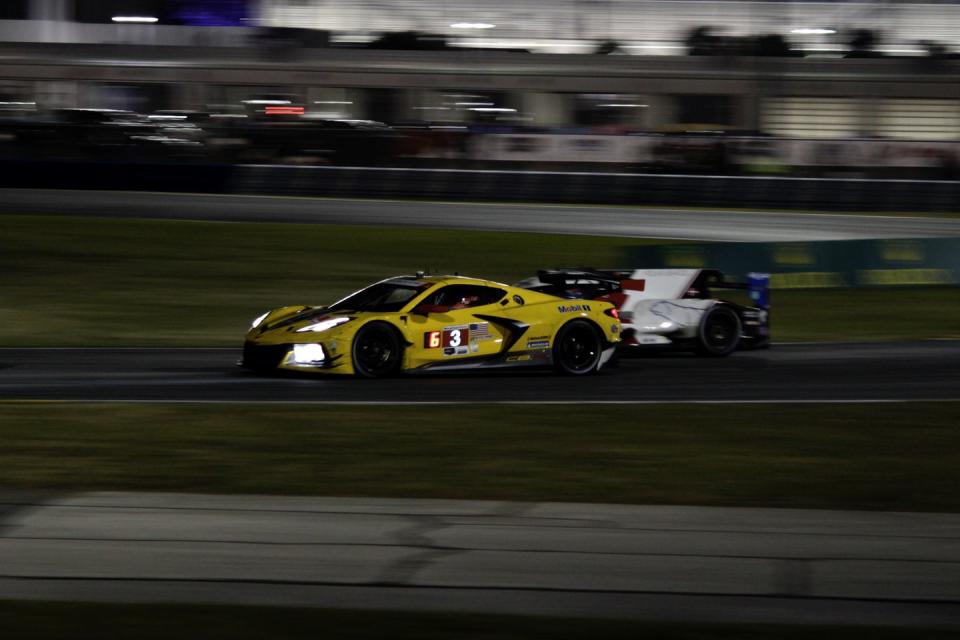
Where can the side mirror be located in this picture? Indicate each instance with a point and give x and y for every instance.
(427, 309)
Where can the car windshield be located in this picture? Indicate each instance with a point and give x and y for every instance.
(383, 296)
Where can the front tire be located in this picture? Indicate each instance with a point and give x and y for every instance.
(719, 333)
(577, 349)
(377, 351)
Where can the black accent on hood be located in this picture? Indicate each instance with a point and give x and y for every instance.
(307, 313)
(304, 312)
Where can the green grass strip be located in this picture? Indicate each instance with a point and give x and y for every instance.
(82, 621)
(94, 281)
(117, 282)
(886, 457)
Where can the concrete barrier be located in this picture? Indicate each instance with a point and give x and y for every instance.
(522, 186)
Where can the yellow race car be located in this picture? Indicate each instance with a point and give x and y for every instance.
(432, 323)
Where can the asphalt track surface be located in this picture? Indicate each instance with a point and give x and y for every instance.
(654, 562)
(687, 224)
(790, 373)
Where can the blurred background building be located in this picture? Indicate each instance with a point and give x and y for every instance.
(784, 69)
(559, 26)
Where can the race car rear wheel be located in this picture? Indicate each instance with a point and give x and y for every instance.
(377, 351)
(720, 331)
(577, 348)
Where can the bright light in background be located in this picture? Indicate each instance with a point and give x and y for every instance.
(473, 25)
(813, 32)
(135, 19)
(272, 110)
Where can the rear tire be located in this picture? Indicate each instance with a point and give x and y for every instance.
(577, 349)
(719, 333)
(377, 351)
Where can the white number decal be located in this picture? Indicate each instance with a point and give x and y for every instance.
(455, 338)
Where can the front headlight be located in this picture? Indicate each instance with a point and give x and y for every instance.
(258, 320)
(324, 325)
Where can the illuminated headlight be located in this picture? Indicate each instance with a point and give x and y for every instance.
(323, 325)
(258, 320)
(308, 353)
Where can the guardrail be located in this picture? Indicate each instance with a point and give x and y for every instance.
(521, 186)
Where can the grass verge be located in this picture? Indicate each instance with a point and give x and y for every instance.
(111, 282)
(905, 457)
(93, 281)
(49, 620)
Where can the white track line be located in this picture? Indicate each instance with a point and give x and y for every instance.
(434, 403)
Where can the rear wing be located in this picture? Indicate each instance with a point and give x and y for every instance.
(581, 275)
(757, 285)
(578, 282)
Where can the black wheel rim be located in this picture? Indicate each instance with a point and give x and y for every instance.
(579, 348)
(720, 331)
(376, 352)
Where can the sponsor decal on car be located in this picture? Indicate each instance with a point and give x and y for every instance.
(538, 342)
(448, 337)
(570, 308)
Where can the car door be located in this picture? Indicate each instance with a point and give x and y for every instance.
(454, 324)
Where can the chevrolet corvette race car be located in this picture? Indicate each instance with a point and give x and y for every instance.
(670, 307)
(432, 323)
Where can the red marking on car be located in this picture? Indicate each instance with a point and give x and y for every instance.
(633, 285)
(617, 298)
